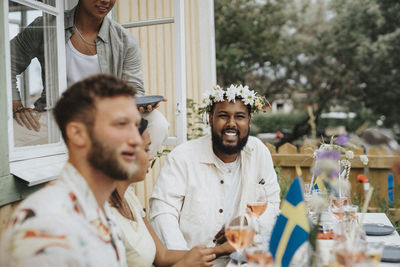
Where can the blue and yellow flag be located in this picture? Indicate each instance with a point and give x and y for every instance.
(291, 228)
(319, 184)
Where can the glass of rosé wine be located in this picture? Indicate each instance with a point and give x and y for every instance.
(259, 256)
(239, 232)
(257, 203)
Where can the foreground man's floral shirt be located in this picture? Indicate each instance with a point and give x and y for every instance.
(62, 225)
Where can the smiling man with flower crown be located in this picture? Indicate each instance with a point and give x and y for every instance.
(201, 184)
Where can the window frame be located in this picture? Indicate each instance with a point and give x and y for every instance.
(12, 188)
(17, 154)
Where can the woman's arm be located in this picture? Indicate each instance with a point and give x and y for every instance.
(197, 256)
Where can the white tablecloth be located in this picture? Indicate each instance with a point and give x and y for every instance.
(392, 239)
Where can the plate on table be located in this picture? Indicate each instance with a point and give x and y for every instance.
(378, 229)
(235, 256)
(390, 254)
(144, 101)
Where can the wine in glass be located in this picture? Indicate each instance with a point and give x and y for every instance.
(258, 256)
(257, 208)
(339, 201)
(257, 199)
(257, 203)
(338, 212)
(239, 233)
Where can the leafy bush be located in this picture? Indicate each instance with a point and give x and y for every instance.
(195, 122)
(273, 122)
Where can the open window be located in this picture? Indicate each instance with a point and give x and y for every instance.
(35, 77)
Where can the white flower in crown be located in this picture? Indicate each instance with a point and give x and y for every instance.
(248, 97)
(219, 95)
(231, 93)
(240, 89)
(206, 99)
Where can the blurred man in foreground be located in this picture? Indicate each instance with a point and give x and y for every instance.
(69, 222)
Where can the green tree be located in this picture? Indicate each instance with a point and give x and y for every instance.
(367, 40)
(333, 52)
(247, 36)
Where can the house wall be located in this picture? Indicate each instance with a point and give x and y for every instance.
(158, 57)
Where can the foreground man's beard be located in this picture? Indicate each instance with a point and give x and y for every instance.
(228, 149)
(104, 159)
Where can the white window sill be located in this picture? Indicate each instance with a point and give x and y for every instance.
(39, 170)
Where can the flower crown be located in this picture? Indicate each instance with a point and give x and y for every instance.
(219, 94)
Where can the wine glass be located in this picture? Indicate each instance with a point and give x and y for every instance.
(257, 203)
(239, 232)
(308, 195)
(350, 212)
(258, 256)
(338, 212)
(339, 201)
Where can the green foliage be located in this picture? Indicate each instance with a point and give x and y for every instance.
(366, 35)
(247, 35)
(159, 155)
(284, 182)
(273, 122)
(194, 118)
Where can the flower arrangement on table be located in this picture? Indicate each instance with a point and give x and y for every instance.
(331, 172)
(332, 164)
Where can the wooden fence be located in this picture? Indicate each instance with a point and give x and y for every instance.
(379, 167)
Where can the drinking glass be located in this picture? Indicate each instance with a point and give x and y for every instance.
(307, 188)
(338, 212)
(374, 252)
(257, 203)
(257, 200)
(339, 201)
(350, 212)
(259, 256)
(350, 254)
(327, 222)
(307, 196)
(239, 232)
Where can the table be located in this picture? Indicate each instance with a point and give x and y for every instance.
(392, 239)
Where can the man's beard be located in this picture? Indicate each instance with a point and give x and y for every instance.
(104, 159)
(228, 149)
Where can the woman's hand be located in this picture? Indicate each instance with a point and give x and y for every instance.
(150, 108)
(197, 256)
(26, 116)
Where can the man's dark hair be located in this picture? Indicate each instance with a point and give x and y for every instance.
(78, 102)
(143, 125)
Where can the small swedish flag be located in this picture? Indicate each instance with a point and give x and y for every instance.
(319, 184)
(291, 228)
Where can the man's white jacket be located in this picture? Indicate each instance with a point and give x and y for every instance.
(188, 199)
